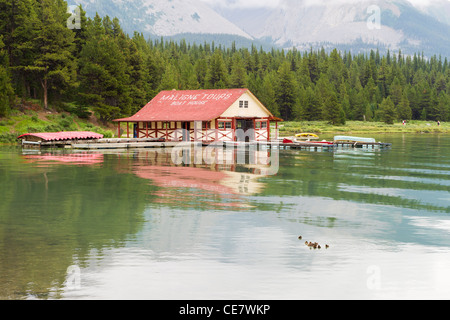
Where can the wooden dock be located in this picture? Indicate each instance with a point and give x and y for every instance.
(133, 143)
(104, 144)
(312, 146)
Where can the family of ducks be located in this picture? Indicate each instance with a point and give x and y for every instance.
(314, 245)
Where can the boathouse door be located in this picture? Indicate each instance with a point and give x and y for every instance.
(186, 131)
(247, 126)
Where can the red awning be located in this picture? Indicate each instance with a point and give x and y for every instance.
(62, 136)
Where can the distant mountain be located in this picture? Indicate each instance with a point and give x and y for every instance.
(438, 9)
(344, 24)
(341, 24)
(163, 17)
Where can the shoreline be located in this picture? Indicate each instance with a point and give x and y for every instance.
(361, 127)
(286, 129)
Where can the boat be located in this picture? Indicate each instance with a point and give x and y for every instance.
(307, 136)
(322, 142)
(353, 139)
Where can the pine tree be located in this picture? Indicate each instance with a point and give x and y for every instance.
(6, 90)
(387, 111)
(19, 25)
(333, 111)
(136, 70)
(312, 108)
(217, 75)
(169, 79)
(103, 77)
(286, 99)
(403, 109)
(55, 64)
(188, 77)
(238, 72)
(443, 107)
(396, 91)
(268, 94)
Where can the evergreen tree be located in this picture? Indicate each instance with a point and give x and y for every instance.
(443, 107)
(6, 90)
(312, 108)
(169, 79)
(387, 111)
(403, 109)
(217, 75)
(268, 94)
(55, 64)
(333, 111)
(286, 99)
(238, 72)
(188, 77)
(396, 91)
(139, 88)
(103, 77)
(19, 26)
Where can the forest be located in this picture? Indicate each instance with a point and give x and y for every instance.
(97, 68)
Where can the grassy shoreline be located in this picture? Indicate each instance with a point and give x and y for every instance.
(39, 120)
(361, 127)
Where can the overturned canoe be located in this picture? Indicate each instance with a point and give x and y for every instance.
(310, 136)
(354, 139)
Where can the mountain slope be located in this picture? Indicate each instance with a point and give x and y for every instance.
(344, 24)
(163, 17)
(438, 9)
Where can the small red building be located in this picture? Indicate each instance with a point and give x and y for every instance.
(202, 115)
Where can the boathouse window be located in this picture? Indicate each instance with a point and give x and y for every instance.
(261, 125)
(206, 125)
(243, 104)
(224, 125)
(166, 125)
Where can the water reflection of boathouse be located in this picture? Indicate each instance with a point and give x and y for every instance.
(225, 176)
(217, 184)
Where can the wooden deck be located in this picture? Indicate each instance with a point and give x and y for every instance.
(104, 144)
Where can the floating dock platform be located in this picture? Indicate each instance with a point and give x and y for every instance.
(93, 141)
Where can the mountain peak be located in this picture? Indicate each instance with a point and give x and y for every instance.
(163, 17)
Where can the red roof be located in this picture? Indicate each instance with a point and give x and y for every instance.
(62, 136)
(187, 105)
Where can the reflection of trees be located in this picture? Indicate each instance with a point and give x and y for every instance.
(53, 217)
(363, 177)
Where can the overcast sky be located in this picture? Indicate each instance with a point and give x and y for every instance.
(273, 3)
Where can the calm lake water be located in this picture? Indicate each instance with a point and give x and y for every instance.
(132, 225)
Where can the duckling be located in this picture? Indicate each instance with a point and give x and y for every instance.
(306, 242)
(327, 246)
(300, 238)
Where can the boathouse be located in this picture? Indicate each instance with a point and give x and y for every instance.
(202, 115)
